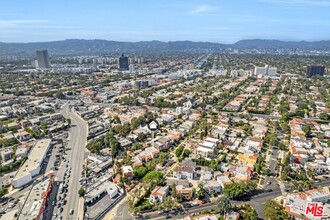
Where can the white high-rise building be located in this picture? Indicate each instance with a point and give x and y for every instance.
(131, 68)
(266, 70)
(272, 71)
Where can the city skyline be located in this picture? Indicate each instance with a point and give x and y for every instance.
(212, 21)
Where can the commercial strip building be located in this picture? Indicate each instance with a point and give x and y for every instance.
(32, 165)
(295, 204)
(100, 187)
(35, 203)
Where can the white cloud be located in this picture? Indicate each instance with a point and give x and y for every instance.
(23, 21)
(217, 28)
(20, 23)
(323, 3)
(201, 9)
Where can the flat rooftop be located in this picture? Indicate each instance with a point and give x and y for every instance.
(35, 200)
(100, 186)
(35, 158)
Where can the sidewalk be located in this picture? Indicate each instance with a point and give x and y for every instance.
(11, 191)
(282, 187)
(268, 155)
(81, 208)
(261, 185)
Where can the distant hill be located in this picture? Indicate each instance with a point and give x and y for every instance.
(97, 47)
(277, 44)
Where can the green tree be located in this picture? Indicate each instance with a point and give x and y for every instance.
(186, 153)
(324, 116)
(249, 213)
(223, 205)
(173, 188)
(282, 146)
(140, 172)
(43, 126)
(307, 130)
(275, 211)
(168, 203)
(310, 173)
(236, 190)
(135, 123)
(179, 151)
(154, 177)
(81, 192)
(3, 191)
(122, 130)
(200, 192)
(142, 136)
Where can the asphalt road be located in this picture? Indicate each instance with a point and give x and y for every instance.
(50, 208)
(76, 156)
(257, 202)
(272, 166)
(122, 211)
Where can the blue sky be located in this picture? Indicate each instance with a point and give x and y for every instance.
(224, 21)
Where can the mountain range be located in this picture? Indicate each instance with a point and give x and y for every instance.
(99, 47)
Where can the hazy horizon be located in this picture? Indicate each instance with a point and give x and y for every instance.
(207, 21)
(128, 41)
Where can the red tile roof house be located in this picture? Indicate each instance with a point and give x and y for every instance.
(159, 194)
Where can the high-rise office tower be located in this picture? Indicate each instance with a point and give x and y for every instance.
(123, 62)
(43, 59)
(315, 70)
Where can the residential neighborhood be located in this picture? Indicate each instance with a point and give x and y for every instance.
(196, 136)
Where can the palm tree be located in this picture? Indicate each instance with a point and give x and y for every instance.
(310, 173)
(294, 184)
(308, 184)
(200, 192)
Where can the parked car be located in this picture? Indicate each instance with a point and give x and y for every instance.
(174, 212)
(194, 204)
